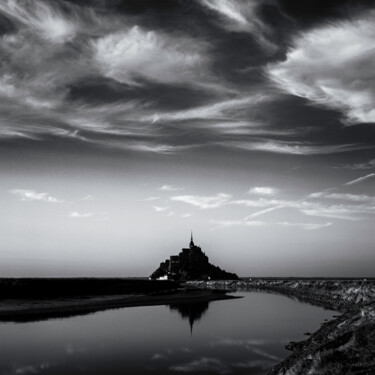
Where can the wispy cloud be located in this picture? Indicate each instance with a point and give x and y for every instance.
(263, 190)
(360, 179)
(353, 208)
(32, 369)
(203, 202)
(368, 165)
(314, 67)
(204, 364)
(242, 16)
(343, 196)
(160, 208)
(79, 215)
(31, 195)
(47, 21)
(184, 216)
(52, 55)
(251, 223)
(257, 363)
(129, 55)
(307, 226)
(226, 341)
(170, 188)
(237, 223)
(342, 211)
(149, 199)
(263, 202)
(223, 109)
(293, 147)
(262, 212)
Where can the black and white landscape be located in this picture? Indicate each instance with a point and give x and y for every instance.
(125, 124)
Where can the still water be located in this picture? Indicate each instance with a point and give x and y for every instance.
(239, 336)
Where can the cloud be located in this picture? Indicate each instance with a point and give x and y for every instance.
(242, 16)
(226, 341)
(251, 223)
(307, 206)
(184, 216)
(237, 223)
(203, 202)
(342, 212)
(264, 364)
(160, 209)
(38, 66)
(204, 364)
(32, 195)
(368, 165)
(151, 199)
(32, 369)
(307, 226)
(293, 147)
(360, 179)
(48, 22)
(262, 202)
(78, 215)
(262, 212)
(343, 196)
(263, 190)
(170, 188)
(88, 74)
(132, 55)
(332, 66)
(223, 109)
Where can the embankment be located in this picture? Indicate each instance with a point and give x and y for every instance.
(39, 288)
(342, 346)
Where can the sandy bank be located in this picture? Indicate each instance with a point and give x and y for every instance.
(23, 310)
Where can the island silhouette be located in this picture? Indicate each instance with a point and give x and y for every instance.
(190, 264)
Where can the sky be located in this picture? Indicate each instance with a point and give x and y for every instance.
(124, 125)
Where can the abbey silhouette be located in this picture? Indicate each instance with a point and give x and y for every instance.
(191, 264)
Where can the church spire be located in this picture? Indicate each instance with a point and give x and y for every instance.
(191, 240)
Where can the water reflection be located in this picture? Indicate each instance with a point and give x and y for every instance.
(237, 336)
(191, 311)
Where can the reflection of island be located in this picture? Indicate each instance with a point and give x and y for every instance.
(191, 311)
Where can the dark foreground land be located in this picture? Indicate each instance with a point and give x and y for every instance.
(35, 299)
(342, 346)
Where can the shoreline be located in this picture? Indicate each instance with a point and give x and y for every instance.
(27, 310)
(343, 345)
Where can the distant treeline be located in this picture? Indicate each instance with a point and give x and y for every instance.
(30, 288)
